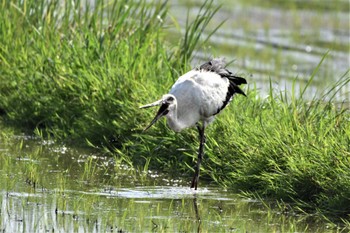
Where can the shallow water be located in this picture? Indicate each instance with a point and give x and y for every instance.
(46, 187)
(281, 44)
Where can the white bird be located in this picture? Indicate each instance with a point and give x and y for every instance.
(196, 97)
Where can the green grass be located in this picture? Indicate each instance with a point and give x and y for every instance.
(286, 148)
(79, 77)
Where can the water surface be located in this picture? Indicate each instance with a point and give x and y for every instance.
(49, 187)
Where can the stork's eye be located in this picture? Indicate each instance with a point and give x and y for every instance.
(170, 99)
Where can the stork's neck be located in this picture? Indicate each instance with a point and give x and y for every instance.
(174, 122)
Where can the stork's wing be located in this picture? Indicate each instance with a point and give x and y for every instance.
(217, 65)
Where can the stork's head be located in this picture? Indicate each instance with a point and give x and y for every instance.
(167, 106)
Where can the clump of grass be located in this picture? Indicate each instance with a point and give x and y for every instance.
(287, 148)
(77, 77)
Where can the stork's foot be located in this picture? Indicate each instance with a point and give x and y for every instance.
(194, 182)
(195, 179)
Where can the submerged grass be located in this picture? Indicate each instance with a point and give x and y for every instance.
(79, 72)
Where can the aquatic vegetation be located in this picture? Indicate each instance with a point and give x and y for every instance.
(77, 74)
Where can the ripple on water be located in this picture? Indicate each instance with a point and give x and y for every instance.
(166, 192)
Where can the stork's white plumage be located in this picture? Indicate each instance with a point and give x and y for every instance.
(196, 97)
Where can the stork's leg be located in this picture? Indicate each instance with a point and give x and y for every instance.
(200, 156)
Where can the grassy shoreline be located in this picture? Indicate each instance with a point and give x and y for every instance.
(79, 76)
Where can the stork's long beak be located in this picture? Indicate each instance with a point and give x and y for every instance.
(158, 102)
(163, 110)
